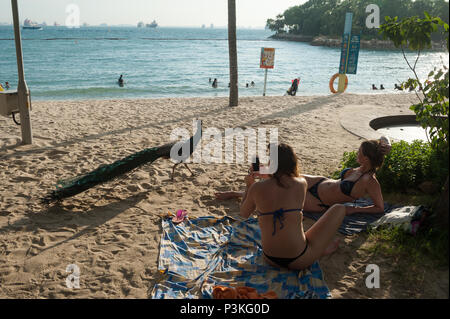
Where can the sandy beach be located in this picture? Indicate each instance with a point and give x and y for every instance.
(112, 231)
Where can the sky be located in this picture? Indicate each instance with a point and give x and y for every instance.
(182, 13)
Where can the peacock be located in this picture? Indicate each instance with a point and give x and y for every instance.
(105, 173)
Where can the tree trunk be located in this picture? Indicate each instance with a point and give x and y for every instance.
(442, 209)
(234, 94)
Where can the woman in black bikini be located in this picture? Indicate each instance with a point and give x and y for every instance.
(279, 201)
(354, 183)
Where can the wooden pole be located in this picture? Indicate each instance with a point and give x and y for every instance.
(22, 88)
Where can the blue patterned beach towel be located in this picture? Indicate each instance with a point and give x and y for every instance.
(201, 253)
(358, 222)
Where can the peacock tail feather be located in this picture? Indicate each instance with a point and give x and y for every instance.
(104, 173)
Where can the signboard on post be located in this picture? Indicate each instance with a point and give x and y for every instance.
(344, 53)
(267, 58)
(349, 54)
(353, 54)
(267, 62)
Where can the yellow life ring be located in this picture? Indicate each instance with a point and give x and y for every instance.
(333, 78)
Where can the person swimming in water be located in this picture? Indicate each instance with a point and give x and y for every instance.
(252, 84)
(120, 81)
(381, 87)
(374, 87)
(397, 87)
(214, 84)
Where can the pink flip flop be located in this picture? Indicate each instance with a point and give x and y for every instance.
(181, 214)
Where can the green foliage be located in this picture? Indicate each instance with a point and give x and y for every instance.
(327, 17)
(413, 32)
(276, 25)
(432, 110)
(406, 166)
(348, 161)
(428, 248)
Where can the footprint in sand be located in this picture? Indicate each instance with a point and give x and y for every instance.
(24, 179)
(56, 153)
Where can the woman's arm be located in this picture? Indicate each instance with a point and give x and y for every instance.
(374, 191)
(248, 205)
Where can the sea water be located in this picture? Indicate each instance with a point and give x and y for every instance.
(85, 63)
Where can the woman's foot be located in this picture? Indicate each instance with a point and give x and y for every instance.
(332, 247)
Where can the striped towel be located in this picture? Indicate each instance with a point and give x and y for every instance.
(201, 253)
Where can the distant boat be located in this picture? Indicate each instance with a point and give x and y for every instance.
(141, 24)
(152, 25)
(30, 25)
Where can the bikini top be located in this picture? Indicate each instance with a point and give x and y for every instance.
(278, 214)
(347, 186)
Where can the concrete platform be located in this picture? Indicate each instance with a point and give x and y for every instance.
(357, 119)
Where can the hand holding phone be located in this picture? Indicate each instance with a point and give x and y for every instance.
(255, 165)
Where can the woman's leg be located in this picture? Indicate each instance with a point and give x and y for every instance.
(320, 237)
(312, 204)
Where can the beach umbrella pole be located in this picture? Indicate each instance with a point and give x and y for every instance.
(22, 88)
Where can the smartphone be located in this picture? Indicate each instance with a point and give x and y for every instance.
(255, 164)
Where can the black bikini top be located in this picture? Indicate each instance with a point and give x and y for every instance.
(278, 214)
(347, 186)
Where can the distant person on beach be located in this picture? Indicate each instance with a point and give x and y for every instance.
(279, 201)
(7, 85)
(294, 87)
(397, 87)
(120, 81)
(354, 183)
(381, 87)
(214, 84)
(374, 87)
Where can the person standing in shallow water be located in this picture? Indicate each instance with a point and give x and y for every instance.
(214, 84)
(120, 81)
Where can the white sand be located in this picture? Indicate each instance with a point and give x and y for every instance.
(112, 231)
